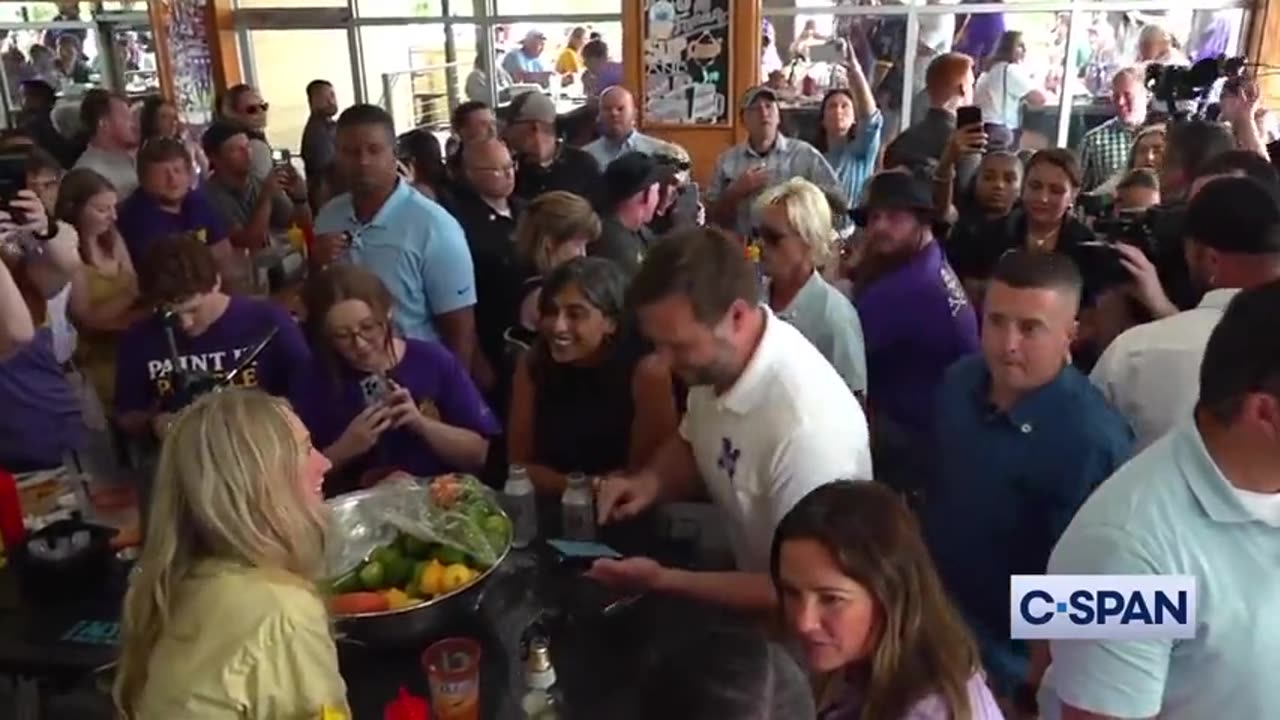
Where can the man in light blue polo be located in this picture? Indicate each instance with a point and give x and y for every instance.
(618, 134)
(1204, 500)
(413, 245)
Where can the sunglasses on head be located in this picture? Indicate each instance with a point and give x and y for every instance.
(259, 108)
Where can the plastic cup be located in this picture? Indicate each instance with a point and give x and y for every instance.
(453, 675)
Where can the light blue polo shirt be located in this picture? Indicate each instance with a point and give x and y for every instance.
(606, 150)
(418, 250)
(1171, 511)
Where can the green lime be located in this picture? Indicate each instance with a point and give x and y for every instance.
(373, 576)
(386, 554)
(415, 548)
(498, 530)
(397, 571)
(347, 583)
(414, 587)
(449, 555)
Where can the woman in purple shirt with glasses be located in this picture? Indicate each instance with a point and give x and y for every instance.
(377, 403)
(862, 599)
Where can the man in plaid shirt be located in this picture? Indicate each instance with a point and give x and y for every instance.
(1104, 151)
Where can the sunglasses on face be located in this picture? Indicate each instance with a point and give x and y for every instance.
(255, 109)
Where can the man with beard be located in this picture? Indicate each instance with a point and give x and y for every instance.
(916, 319)
(769, 419)
(1233, 243)
(318, 135)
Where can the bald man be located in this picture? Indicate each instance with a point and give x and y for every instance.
(618, 129)
(488, 211)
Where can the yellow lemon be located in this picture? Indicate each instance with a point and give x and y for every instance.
(432, 581)
(397, 598)
(457, 575)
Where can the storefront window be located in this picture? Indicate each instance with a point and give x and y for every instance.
(418, 8)
(408, 70)
(284, 62)
(560, 7)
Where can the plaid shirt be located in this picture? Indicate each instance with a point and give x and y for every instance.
(1105, 151)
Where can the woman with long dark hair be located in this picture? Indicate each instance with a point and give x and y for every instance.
(860, 594)
(587, 397)
(850, 129)
(160, 118)
(376, 402)
(421, 152)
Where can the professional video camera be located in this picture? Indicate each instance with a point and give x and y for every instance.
(1176, 85)
(190, 383)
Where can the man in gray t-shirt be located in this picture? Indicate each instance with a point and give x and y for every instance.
(252, 208)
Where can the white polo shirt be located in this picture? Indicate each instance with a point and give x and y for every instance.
(1151, 372)
(788, 425)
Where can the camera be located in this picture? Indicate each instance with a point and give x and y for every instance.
(1137, 228)
(1172, 84)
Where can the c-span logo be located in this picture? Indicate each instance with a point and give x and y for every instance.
(1102, 607)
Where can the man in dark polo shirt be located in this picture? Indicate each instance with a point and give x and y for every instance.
(488, 212)
(251, 208)
(627, 201)
(1022, 438)
(543, 162)
(948, 85)
(165, 205)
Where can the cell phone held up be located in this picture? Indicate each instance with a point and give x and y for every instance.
(376, 389)
(280, 157)
(968, 115)
(13, 179)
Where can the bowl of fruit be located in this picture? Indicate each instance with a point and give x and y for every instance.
(407, 559)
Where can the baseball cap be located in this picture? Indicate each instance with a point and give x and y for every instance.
(629, 174)
(894, 191)
(1239, 215)
(533, 107)
(217, 134)
(757, 92)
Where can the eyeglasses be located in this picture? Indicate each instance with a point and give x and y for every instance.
(370, 331)
(496, 170)
(259, 108)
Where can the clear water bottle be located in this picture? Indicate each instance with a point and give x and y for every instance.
(578, 509)
(521, 505)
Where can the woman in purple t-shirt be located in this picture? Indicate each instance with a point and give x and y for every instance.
(376, 402)
(860, 595)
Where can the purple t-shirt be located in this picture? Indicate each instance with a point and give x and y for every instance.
(327, 402)
(143, 363)
(142, 221)
(981, 35)
(917, 320)
(39, 411)
(982, 705)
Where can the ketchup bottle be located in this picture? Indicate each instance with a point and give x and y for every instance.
(407, 707)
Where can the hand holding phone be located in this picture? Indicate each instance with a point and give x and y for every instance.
(968, 115)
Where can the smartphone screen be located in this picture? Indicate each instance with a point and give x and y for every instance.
(968, 115)
(279, 156)
(579, 550)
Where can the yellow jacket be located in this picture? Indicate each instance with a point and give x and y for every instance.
(244, 643)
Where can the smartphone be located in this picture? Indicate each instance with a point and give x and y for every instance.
(280, 156)
(13, 177)
(826, 53)
(968, 115)
(580, 550)
(375, 389)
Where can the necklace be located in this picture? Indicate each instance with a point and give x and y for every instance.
(1042, 241)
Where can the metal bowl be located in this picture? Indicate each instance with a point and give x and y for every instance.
(409, 626)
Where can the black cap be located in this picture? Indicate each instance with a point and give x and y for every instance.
(629, 174)
(216, 134)
(895, 190)
(1238, 215)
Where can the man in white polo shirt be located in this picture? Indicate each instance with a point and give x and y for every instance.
(1150, 372)
(1204, 501)
(769, 419)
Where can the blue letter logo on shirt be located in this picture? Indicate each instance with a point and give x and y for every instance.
(729, 455)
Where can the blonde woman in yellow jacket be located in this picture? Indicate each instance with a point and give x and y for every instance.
(223, 619)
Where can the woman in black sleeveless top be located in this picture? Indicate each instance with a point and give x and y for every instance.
(587, 397)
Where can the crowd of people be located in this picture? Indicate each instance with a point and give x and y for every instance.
(901, 377)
